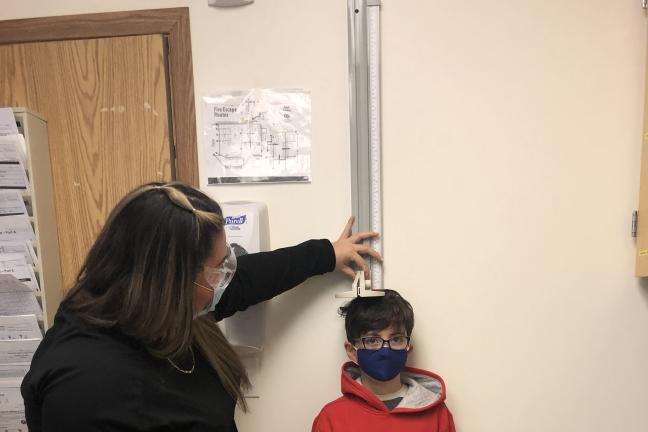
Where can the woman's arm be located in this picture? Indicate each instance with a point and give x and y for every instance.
(261, 276)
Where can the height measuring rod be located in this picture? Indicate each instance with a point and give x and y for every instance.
(366, 165)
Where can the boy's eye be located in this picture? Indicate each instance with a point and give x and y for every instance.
(373, 341)
(398, 339)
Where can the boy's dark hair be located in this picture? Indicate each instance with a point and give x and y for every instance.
(365, 314)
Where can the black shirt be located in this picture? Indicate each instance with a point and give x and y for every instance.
(86, 378)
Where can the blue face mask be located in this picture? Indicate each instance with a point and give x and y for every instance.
(383, 364)
(218, 278)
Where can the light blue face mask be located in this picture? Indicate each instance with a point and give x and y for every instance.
(218, 278)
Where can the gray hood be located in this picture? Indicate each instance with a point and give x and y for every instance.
(424, 389)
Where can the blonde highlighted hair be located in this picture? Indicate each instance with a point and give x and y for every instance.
(138, 277)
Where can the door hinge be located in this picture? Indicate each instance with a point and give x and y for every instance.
(644, 4)
(635, 220)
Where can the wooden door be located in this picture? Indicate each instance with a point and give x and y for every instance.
(107, 107)
(641, 263)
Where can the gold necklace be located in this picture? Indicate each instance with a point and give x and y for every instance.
(193, 363)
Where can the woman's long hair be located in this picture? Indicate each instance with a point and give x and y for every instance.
(138, 277)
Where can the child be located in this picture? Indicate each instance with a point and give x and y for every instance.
(379, 392)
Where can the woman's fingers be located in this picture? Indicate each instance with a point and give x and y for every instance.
(356, 258)
(346, 232)
(366, 250)
(349, 249)
(348, 271)
(361, 236)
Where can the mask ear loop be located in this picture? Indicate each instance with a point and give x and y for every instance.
(204, 287)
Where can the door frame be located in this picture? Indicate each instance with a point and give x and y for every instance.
(172, 23)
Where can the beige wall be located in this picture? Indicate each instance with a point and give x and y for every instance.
(512, 137)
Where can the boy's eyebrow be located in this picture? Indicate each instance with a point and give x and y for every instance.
(375, 334)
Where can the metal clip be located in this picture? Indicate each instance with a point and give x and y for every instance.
(361, 287)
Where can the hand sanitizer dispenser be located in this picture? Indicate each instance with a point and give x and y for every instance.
(246, 228)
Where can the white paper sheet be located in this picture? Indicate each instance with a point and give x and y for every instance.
(257, 135)
(17, 298)
(18, 351)
(10, 398)
(19, 327)
(13, 176)
(12, 203)
(8, 371)
(7, 124)
(9, 283)
(24, 248)
(13, 422)
(12, 406)
(16, 265)
(14, 228)
(12, 148)
(20, 303)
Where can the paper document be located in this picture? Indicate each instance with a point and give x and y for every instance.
(8, 371)
(13, 228)
(10, 398)
(24, 248)
(17, 298)
(12, 148)
(19, 327)
(12, 406)
(257, 135)
(7, 123)
(13, 422)
(12, 203)
(16, 265)
(18, 351)
(13, 176)
(20, 303)
(14, 219)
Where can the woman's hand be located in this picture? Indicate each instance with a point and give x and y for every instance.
(349, 249)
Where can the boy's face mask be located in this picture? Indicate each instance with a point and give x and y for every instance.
(382, 364)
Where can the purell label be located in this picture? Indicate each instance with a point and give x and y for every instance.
(241, 230)
(235, 220)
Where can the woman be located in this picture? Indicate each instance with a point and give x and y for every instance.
(134, 346)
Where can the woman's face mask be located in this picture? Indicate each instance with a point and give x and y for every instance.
(218, 278)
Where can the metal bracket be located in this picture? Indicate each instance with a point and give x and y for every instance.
(644, 4)
(229, 3)
(361, 287)
(635, 220)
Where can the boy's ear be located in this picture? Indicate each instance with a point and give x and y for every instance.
(351, 352)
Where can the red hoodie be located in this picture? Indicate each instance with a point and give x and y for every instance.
(358, 409)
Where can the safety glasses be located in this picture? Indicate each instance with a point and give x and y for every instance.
(219, 277)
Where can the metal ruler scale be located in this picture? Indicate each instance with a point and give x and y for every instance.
(366, 162)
